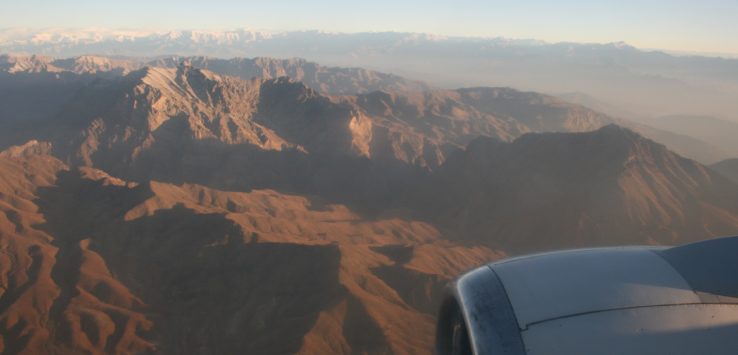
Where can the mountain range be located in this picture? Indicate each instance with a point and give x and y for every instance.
(155, 267)
(647, 82)
(56, 79)
(719, 133)
(153, 206)
(328, 80)
(593, 188)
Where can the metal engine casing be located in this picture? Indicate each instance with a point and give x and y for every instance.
(620, 300)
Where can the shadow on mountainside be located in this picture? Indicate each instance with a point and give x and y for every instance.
(366, 186)
(179, 281)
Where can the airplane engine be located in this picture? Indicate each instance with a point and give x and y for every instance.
(620, 300)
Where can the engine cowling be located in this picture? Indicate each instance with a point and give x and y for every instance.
(621, 300)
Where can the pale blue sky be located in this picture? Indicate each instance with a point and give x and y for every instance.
(689, 25)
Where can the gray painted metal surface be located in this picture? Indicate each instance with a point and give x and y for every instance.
(489, 317)
(673, 330)
(634, 300)
(560, 284)
(710, 268)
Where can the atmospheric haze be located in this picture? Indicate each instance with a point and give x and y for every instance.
(311, 192)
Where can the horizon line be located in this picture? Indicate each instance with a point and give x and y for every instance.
(153, 30)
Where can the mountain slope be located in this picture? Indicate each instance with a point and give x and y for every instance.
(728, 168)
(683, 144)
(131, 267)
(540, 112)
(85, 64)
(130, 113)
(433, 123)
(95, 264)
(29, 100)
(191, 125)
(552, 190)
(719, 133)
(326, 80)
(92, 263)
(133, 113)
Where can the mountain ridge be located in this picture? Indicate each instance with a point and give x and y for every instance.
(328, 80)
(99, 269)
(647, 82)
(593, 187)
(172, 209)
(121, 270)
(347, 82)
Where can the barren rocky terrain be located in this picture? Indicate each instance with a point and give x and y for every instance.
(172, 209)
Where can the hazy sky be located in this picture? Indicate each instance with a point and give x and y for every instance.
(689, 25)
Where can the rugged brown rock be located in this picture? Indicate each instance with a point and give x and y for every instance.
(130, 115)
(557, 190)
(504, 113)
(327, 80)
(86, 64)
(95, 264)
(175, 210)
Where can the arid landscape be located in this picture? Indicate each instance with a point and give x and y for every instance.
(195, 205)
(172, 190)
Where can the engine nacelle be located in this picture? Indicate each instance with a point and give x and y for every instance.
(622, 300)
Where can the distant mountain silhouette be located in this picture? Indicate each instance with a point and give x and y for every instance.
(327, 80)
(647, 82)
(719, 133)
